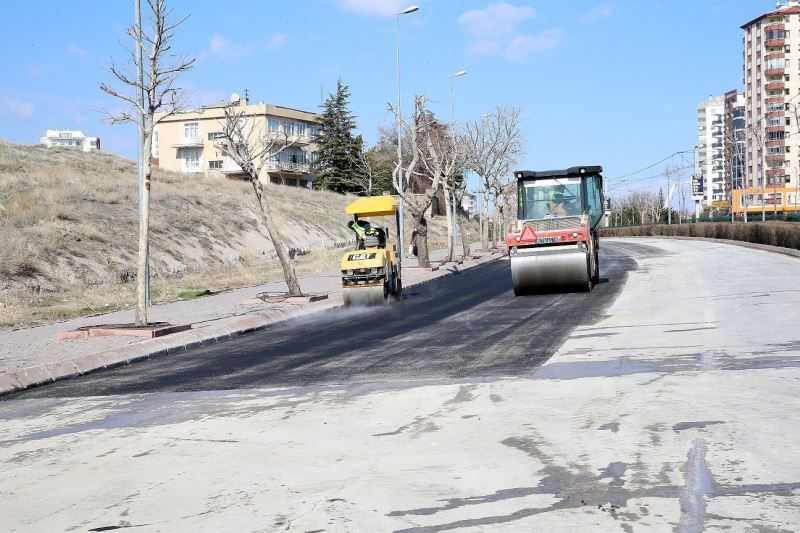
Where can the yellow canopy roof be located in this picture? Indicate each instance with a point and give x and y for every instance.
(373, 206)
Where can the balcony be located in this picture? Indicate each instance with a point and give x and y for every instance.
(231, 169)
(774, 55)
(775, 43)
(775, 128)
(775, 157)
(292, 138)
(285, 166)
(775, 86)
(187, 142)
(778, 142)
(778, 71)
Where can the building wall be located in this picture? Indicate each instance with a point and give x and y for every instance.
(734, 141)
(772, 93)
(70, 139)
(189, 142)
(711, 149)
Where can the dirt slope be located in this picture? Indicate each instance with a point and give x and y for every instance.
(68, 222)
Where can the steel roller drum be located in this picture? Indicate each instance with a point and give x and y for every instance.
(549, 268)
(362, 296)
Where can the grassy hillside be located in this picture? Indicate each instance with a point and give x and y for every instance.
(69, 226)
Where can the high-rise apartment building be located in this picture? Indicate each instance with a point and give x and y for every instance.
(190, 141)
(710, 161)
(734, 141)
(771, 73)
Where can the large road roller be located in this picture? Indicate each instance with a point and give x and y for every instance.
(371, 273)
(554, 244)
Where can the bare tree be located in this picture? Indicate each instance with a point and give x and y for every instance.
(417, 203)
(736, 164)
(494, 145)
(757, 136)
(460, 191)
(251, 147)
(444, 156)
(155, 91)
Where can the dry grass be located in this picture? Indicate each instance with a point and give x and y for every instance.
(69, 226)
(783, 234)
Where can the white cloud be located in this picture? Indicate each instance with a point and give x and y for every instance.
(523, 45)
(606, 9)
(277, 40)
(77, 51)
(375, 8)
(227, 50)
(494, 30)
(11, 107)
(495, 20)
(37, 70)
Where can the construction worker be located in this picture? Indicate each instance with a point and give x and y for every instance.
(364, 229)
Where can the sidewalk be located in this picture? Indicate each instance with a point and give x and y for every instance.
(33, 356)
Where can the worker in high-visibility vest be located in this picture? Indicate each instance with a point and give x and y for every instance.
(363, 229)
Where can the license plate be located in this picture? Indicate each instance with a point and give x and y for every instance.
(545, 240)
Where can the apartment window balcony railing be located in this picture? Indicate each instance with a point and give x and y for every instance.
(291, 137)
(183, 142)
(716, 123)
(285, 166)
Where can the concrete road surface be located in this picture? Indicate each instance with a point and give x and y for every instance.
(672, 404)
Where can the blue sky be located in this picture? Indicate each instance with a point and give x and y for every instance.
(609, 82)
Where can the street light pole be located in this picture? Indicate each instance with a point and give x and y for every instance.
(400, 180)
(454, 209)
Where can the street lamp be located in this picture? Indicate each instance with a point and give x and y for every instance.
(400, 181)
(453, 132)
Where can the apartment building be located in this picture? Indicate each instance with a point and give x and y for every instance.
(70, 139)
(710, 161)
(771, 75)
(734, 141)
(189, 141)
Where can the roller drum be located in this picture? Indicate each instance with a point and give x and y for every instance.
(364, 296)
(549, 268)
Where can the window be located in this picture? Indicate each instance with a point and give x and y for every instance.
(215, 135)
(549, 198)
(191, 130)
(215, 165)
(594, 199)
(191, 159)
(273, 125)
(288, 127)
(301, 129)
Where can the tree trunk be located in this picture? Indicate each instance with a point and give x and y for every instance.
(448, 208)
(144, 229)
(266, 215)
(485, 219)
(421, 225)
(464, 236)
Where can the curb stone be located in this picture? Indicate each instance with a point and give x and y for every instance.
(22, 378)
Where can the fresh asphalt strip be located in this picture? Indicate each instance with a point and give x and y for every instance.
(468, 325)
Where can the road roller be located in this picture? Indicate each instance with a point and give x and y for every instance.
(554, 244)
(371, 273)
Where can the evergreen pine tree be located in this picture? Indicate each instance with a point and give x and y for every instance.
(337, 150)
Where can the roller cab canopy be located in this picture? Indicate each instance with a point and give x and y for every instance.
(373, 206)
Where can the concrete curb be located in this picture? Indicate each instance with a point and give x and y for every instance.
(744, 244)
(23, 378)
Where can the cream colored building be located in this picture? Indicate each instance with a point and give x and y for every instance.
(772, 100)
(189, 141)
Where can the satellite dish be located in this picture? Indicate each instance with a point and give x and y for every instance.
(235, 98)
